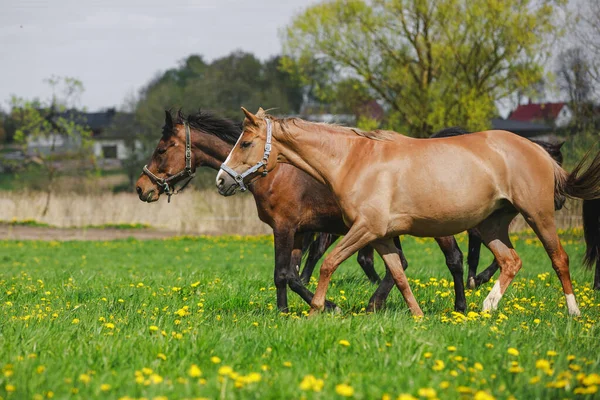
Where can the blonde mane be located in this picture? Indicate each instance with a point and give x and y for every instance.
(333, 128)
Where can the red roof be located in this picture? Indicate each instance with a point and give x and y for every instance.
(536, 112)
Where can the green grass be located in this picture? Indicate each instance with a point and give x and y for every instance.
(26, 222)
(121, 225)
(136, 316)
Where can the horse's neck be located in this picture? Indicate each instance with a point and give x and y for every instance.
(214, 150)
(322, 155)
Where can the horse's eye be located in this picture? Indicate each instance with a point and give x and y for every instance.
(245, 145)
(161, 150)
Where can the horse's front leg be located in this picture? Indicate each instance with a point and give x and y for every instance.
(294, 280)
(315, 252)
(473, 257)
(358, 236)
(284, 242)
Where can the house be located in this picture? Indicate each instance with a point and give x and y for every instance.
(556, 115)
(110, 146)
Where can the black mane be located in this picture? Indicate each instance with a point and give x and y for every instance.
(206, 122)
(447, 132)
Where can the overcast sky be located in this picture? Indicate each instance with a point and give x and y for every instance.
(115, 47)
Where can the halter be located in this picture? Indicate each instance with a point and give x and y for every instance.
(163, 183)
(239, 178)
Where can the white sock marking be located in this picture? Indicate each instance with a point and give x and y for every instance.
(491, 301)
(572, 305)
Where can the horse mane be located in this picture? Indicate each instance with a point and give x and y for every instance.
(207, 122)
(333, 128)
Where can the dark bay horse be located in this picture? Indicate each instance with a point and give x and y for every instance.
(383, 195)
(288, 200)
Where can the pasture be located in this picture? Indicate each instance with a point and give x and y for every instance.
(196, 318)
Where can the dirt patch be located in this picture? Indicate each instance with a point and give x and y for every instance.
(9, 232)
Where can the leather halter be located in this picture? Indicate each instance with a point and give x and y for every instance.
(164, 183)
(239, 178)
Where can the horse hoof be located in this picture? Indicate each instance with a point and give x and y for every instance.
(471, 283)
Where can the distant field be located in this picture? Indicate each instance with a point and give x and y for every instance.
(196, 318)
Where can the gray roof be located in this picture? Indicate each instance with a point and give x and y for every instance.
(526, 129)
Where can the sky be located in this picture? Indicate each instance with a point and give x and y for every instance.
(116, 47)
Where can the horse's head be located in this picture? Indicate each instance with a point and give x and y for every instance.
(251, 156)
(172, 162)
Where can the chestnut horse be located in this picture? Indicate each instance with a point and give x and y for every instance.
(288, 200)
(384, 184)
(474, 280)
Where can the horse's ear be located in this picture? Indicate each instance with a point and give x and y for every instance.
(250, 117)
(559, 145)
(180, 116)
(260, 113)
(168, 119)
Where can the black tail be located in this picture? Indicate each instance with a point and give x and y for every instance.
(584, 183)
(591, 231)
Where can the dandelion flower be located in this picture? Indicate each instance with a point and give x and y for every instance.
(10, 388)
(512, 351)
(162, 356)
(194, 371)
(438, 366)
(215, 360)
(344, 390)
(85, 378)
(105, 387)
(287, 364)
(225, 370)
(430, 393)
(405, 396)
(481, 395)
(309, 382)
(344, 342)
(451, 348)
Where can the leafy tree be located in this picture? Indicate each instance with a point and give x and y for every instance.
(53, 120)
(434, 63)
(221, 86)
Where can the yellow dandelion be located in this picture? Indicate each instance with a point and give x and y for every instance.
(405, 396)
(309, 382)
(428, 355)
(551, 353)
(344, 390)
(344, 342)
(162, 356)
(225, 370)
(429, 393)
(591, 379)
(287, 364)
(105, 387)
(451, 348)
(481, 395)
(438, 366)
(194, 371)
(85, 378)
(512, 351)
(444, 385)
(75, 321)
(109, 325)
(215, 360)
(10, 388)
(534, 380)
(478, 366)
(153, 328)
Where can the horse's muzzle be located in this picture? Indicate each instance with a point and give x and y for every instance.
(226, 185)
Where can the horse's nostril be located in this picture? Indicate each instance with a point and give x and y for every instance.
(220, 182)
(138, 190)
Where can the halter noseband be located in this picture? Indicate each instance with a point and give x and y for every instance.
(163, 183)
(239, 178)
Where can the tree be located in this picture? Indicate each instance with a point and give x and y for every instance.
(434, 63)
(54, 121)
(575, 79)
(238, 79)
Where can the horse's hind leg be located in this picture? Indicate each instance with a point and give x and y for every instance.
(389, 252)
(543, 225)
(473, 257)
(494, 232)
(366, 262)
(454, 261)
(597, 275)
(316, 250)
(387, 284)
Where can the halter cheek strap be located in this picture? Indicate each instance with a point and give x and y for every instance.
(163, 183)
(239, 178)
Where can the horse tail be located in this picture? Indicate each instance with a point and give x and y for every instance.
(591, 231)
(582, 183)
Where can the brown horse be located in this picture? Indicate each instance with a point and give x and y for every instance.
(383, 183)
(288, 200)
